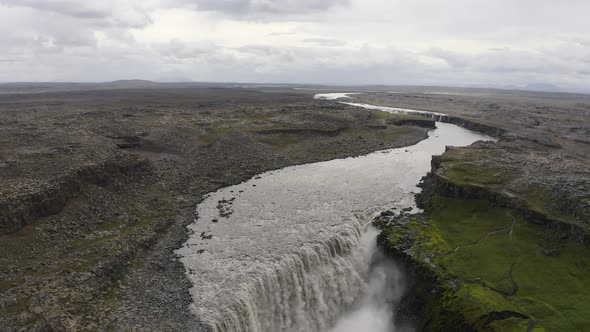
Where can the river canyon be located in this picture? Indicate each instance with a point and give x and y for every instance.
(293, 249)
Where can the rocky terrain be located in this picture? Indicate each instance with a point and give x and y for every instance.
(97, 187)
(502, 244)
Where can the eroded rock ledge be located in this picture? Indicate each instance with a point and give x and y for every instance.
(437, 184)
(493, 131)
(20, 208)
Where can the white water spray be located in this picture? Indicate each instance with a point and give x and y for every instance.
(385, 286)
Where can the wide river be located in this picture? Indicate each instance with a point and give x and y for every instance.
(292, 249)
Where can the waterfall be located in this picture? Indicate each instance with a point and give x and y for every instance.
(305, 292)
(343, 285)
(385, 287)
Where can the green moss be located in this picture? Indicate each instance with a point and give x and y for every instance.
(6, 283)
(540, 200)
(213, 134)
(259, 117)
(260, 123)
(288, 139)
(480, 175)
(20, 305)
(282, 140)
(84, 263)
(494, 258)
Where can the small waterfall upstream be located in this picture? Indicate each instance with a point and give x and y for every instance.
(293, 249)
(396, 110)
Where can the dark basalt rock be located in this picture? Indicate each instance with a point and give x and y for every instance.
(425, 123)
(387, 213)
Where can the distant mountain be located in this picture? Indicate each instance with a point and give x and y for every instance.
(131, 83)
(547, 87)
(41, 87)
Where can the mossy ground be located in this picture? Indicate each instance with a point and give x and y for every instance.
(508, 175)
(298, 133)
(507, 274)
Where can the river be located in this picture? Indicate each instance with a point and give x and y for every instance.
(293, 249)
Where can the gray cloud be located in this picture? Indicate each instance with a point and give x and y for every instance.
(81, 9)
(181, 50)
(103, 13)
(249, 7)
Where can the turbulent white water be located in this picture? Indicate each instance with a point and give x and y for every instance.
(290, 250)
(385, 287)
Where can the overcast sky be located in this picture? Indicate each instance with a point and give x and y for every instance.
(424, 42)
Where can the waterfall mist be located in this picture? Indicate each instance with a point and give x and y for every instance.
(385, 286)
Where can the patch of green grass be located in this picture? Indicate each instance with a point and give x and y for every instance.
(281, 140)
(393, 133)
(259, 122)
(21, 304)
(21, 307)
(264, 117)
(6, 284)
(85, 261)
(109, 225)
(473, 215)
(213, 134)
(494, 256)
(104, 231)
(474, 175)
(540, 200)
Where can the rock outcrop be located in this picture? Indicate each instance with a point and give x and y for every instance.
(17, 209)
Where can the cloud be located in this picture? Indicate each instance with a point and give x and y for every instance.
(96, 13)
(81, 9)
(279, 33)
(253, 7)
(181, 50)
(509, 61)
(325, 42)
